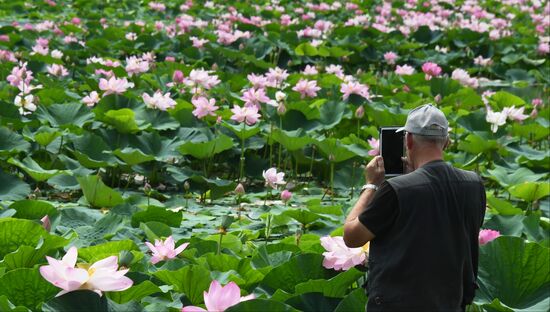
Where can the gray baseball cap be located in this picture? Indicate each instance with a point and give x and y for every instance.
(426, 120)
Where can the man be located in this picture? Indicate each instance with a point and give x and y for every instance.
(424, 225)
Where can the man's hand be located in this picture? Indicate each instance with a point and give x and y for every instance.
(374, 171)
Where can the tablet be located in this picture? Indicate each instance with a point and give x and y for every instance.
(392, 148)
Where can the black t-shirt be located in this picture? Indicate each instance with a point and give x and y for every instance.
(382, 211)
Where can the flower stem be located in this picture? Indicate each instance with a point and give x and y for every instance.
(241, 174)
(332, 182)
(220, 244)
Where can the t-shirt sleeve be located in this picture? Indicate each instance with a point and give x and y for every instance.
(381, 212)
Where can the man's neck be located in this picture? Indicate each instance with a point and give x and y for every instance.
(426, 158)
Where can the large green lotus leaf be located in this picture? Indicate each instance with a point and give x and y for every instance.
(299, 269)
(302, 215)
(502, 207)
(475, 121)
(155, 145)
(334, 150)
(335, 287)
(241, 130)
(203, 150)
(475, 144)
(46, 135)
(310, 110)
(70, 115)
(506, 224)
(531, 131)
(155, 230)
(136, 292)
(104, 250)
(26, 287)
(12, 188)
(504, 99)
(514, 271)
(465, 98)
(355, 301)
(28, 256)
(386, 116)
(291, 140)
(12, 142)
(217, 187)
(306, 49)
(511, 177)
(530, 191)
(33, 169)
(534, 230)
(313, 302)
(132, 156)
(229, 241)
(90, 150)
(33, 209)
(331, 113)
(443, 86)
(19, 232)
(158, 214)
(156, 119)
(530, 156)
(64, 182)
(266, 305)
(308, 242)
(6, 305)
(97, 193)
(265, 258)
(191, 280)
(123, 120)
(76, 300)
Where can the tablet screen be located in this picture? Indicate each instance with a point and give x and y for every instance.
(391, 150)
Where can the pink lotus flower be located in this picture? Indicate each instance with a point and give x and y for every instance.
(20, 74)
(253, 97)
(286, 195)
(57, 70)
(353, 87)
(464, 78)
(375, 144)
(273, 178)
(204, 107)
(114, 85)
(486, 236)
(276, 76)
(339, 257)
(159, 101)
(431, 70)
(135, 65)
(307, 88)
(483, 61)
(198, 43)
(247, 114)
(219, 298)
(91, 99)
(164, 250)
(404, 70)
(101, 276)
(258, 81)
(201, 77)
(335, 70)
(514, 113)
(310, 70)
(390, 57)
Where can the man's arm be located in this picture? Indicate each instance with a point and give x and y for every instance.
(355, 233)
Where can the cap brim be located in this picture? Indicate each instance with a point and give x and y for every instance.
(400, 129)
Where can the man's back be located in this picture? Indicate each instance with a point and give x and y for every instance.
(427, 258)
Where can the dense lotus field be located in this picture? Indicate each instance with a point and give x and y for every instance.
(160, 156)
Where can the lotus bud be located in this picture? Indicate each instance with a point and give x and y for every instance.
(437, 98)
(537, 102)
(241, 46)
(281, 109)
(147, 187)
(286, 195)
(360, 112)
(534, 113)
(280, 96)
(289, 63)
(186, 186)
(226, 222)
(215, 66)
(239, 190)
(46, 224)
(161, 187)
(406, 88)
(177, 77)
(331, 157)
(169, 59)
(219, 120)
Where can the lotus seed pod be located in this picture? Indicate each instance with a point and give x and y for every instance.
(186, 186)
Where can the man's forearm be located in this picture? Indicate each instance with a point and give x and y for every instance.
(361, 204)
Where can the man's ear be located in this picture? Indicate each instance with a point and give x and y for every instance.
(409, 140)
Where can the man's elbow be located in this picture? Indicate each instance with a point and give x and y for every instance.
(351, 239)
